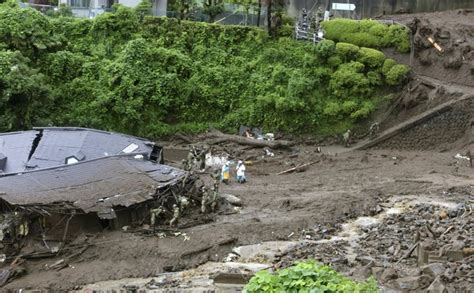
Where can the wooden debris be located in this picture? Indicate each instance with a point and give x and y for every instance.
(298, 168)
(438, 47)
(409, 252)
(218, 137)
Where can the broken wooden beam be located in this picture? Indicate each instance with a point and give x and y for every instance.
(216, 137)
(298, 168)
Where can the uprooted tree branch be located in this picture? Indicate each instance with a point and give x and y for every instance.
(216, 137)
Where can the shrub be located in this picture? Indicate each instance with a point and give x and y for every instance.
(361, 39)
(400, 38)
(337, 27)
(307, 277)
(349, 81)
(368, 33)
(397, 74)
(364, 110)
(347, 51)
(334, 61)
(325, 49)
(387, 65)
(371, 57)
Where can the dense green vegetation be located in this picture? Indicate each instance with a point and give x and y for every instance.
(129, 72)
(307, 277)
(368, 33)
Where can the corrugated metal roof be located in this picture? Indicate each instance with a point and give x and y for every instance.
(92, 186)
(57, 144)
(16, 146)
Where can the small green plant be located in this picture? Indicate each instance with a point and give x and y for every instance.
(397, 74)
(307, 277)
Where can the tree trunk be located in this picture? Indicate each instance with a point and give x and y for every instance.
(269, 17)
(259, 12)
(216, 136)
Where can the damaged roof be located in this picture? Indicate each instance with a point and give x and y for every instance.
(15, 147)
(55, 146)
(91, 186)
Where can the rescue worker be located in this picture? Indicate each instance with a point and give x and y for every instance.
(320, 15)
(154, 214)
(216, 177)
(176, 214)
(373, 130)
(201, 158)
(191, 157)
(346, 137)
(204, 199)
(225, 173)
(241, 172)
(215, 198)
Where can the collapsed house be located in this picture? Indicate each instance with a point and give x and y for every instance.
(56, 182)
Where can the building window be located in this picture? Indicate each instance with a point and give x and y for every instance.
(79, 3)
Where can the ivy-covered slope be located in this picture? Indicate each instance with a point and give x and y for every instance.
(151, 76)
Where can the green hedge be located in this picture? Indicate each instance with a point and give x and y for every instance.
(368, 33)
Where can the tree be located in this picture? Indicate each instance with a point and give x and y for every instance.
(213, 8)
(184, 8)
(26, 30)
(23, 93)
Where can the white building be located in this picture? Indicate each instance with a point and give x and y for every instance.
(92, 8)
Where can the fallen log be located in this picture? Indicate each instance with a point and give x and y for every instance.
(297, 168)
(216, 137)
(183, 138)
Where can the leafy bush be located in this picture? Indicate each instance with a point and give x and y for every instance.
(347, 51)
(307, 277)
(325, 49)
(387, 65)
(371, 57)
(368, 33)
(400, 38)
(361, 39)
(397, 74)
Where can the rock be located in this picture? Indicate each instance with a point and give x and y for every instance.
(434, 269)
(443, 214)
(458, 245)
(365, 260)
(232, 199)
(454, 255)
(388, 274)
(413, 283)
(377, 272)
(437, 287)
(453, 62)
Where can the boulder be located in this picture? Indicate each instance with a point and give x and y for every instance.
(388, 274)
(434, 270)
(437, 287)
(414, 282)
